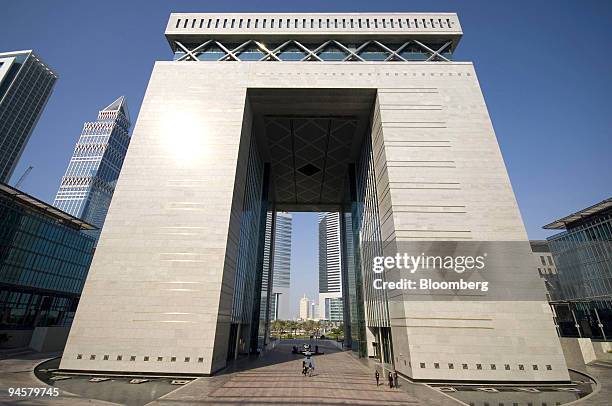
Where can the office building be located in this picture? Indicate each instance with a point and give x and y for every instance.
(89, 183)
(281, 300)
(314, 311)
(267, 300)
(305, 308)
(44, 258)
(368, 115)
(26, 83)
(583, 258)
(330, 265)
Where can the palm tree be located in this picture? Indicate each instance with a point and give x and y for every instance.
(277, 327)
(283, 326)
(309, 327)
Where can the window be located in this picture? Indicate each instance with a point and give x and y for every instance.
(106, 358)
(200, 359)
(422, 365)
(133, 358)
(548, 367)
(187, 359)
(436, 365)
(451, 366)
(542, 260)
(119, 357)
(507, 367)
(146, 358)
(79, 356)
(478, 366)
(465, 366)
(172, 359)
(521, 367)
(160, 359)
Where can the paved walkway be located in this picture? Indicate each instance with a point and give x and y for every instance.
(17, 372)
(603, 396)
(276, 379)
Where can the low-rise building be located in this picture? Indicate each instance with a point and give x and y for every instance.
(44, 260)
(583, 258)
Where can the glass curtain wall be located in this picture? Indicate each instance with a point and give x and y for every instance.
(43, 265)
(364, 306)
(246, 283)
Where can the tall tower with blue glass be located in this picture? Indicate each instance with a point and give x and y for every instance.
(88, 185)
(26, 83)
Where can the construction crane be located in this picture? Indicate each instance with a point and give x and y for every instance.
(25, 174)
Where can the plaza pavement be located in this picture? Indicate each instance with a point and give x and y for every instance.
(17, 372)
(276, 379)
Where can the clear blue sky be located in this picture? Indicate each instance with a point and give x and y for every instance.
(544, 66)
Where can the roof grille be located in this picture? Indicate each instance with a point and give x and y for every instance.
(309, 170)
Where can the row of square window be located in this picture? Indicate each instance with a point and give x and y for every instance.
(92, 357)
(493, 367)
(316, 23)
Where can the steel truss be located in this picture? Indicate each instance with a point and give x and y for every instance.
(313, 55)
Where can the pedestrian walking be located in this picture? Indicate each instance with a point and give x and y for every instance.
(311, 367)
(390, 377)
(395, 379)
(377, 375)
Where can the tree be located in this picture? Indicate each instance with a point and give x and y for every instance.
(309, 326)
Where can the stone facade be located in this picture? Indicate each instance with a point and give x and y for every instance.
(159, 291)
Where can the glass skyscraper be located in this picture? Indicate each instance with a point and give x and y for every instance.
(281, 268)
(25, 86)
(330, 265)
(88, 185)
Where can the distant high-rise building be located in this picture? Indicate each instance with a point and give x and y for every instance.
(88, 185)
(281, 267)
(314, 310)
(305, 308)
(25, 86)
(330, 266)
